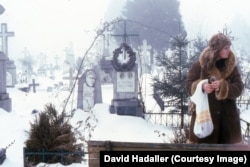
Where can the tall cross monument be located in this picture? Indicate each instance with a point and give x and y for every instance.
(4, 34)
(5, 101)
(125, 91)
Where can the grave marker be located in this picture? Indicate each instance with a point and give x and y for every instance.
(4, 35)
(71, 78)
(11, 74)
(169, 53)
(34, 84)
(125, 96)
(146, 57)
(89, 90)
(5, 101)
(146, 52)
(11, 68)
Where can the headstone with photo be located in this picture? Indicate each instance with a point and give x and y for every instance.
(89, 90)
(125, 96)
(5, 101)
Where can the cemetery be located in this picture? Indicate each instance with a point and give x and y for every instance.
(108, 99)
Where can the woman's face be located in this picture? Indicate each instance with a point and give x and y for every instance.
(224, 52)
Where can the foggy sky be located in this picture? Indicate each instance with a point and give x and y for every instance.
(49, 26)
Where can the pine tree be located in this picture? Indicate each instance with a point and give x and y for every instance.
(176, 65)
(52, 132)
(172, 86)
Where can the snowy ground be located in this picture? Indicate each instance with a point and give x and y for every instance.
(14, 125)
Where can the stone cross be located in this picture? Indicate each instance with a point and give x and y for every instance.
(70, 57)
(125, 35)
(145, 50)
(34, 84)
(71, 78)
(4, 35)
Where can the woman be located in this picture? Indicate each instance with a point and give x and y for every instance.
(217, 63)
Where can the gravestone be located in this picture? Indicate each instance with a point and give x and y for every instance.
(107, 68)
(42, 70)
(89, 90)
(11, 68)
(4, 35)
(125, 92)
(69, 65)
(33, 85)
(146, 57)
(26, 67)
(5, 101)
(71, 78)
(11, 74)
(169, 53)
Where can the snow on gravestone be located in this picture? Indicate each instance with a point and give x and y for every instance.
(125, 92)
(89, 90)
(5, 101)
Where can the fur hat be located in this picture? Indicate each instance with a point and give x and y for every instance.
(218, 41)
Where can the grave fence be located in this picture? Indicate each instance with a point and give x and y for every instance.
(43, 155)
(173, 119)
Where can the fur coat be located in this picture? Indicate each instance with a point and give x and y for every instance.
(224, 112)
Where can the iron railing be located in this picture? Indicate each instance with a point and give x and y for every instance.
(173, 119)
(44, 154)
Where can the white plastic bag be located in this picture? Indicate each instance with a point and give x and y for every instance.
(203, 125)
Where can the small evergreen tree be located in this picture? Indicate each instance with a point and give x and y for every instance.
(172, 85)
(52, 132)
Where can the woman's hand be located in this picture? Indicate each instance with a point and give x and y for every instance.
(207, 88)
(216, 85)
